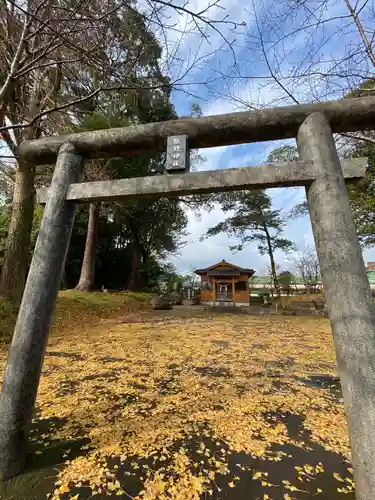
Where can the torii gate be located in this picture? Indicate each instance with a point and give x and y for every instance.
(346, 287)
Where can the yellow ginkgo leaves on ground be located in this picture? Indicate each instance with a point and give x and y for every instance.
(228, 406)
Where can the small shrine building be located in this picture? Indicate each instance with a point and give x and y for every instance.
(225, 284)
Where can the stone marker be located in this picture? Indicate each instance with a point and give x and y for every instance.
(161, 303)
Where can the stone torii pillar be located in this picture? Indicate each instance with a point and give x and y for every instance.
(347, 292)
(21, 379)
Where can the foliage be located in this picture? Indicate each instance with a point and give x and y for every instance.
(283, 154)
(299, 210)
(4, 221)
(72, 58)
(160, 225)
(151, 273)
(105, 51)
(151, 227)
(8, 317)
(156, 226)
(171, 281)
(285, 279)
(211, 406)
(114, 254)
(191, 279)
(5, 213)
(362, 195)
(253, 219)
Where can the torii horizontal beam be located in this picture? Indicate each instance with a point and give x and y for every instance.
(295, 173)
(346, 115)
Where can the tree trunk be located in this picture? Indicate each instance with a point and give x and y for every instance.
(64, 281)
(16, 261)
(145, 256)
(136, 261)
(86, 281)
(272, 261)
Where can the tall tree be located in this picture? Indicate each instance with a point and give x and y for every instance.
(254, 219)
(61, 60)
(57, 66)
(86, 281)
(96, 170)
(153, 228)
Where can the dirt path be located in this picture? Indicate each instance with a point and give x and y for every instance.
(189, 405)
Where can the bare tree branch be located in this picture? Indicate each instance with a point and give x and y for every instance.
(16, 59)
(361, 30)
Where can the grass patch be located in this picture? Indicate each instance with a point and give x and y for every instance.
(8, 316)
(76, 309)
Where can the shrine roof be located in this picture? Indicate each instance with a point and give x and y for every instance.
(224, 268)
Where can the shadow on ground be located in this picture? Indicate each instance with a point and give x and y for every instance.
(243, 477)
(228, 475)
(44, 460)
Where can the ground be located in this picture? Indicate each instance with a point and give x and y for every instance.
(189, 404)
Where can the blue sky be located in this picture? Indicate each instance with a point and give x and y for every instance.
(297, 49)
(311, 50)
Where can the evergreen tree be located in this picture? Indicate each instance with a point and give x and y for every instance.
(253, 219)
(106, 53)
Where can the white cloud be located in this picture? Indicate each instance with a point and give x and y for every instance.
(212, 156)
(219, 107)
(261, 93)
(199, 254)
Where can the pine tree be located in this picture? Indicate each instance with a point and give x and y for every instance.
(253, 220)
